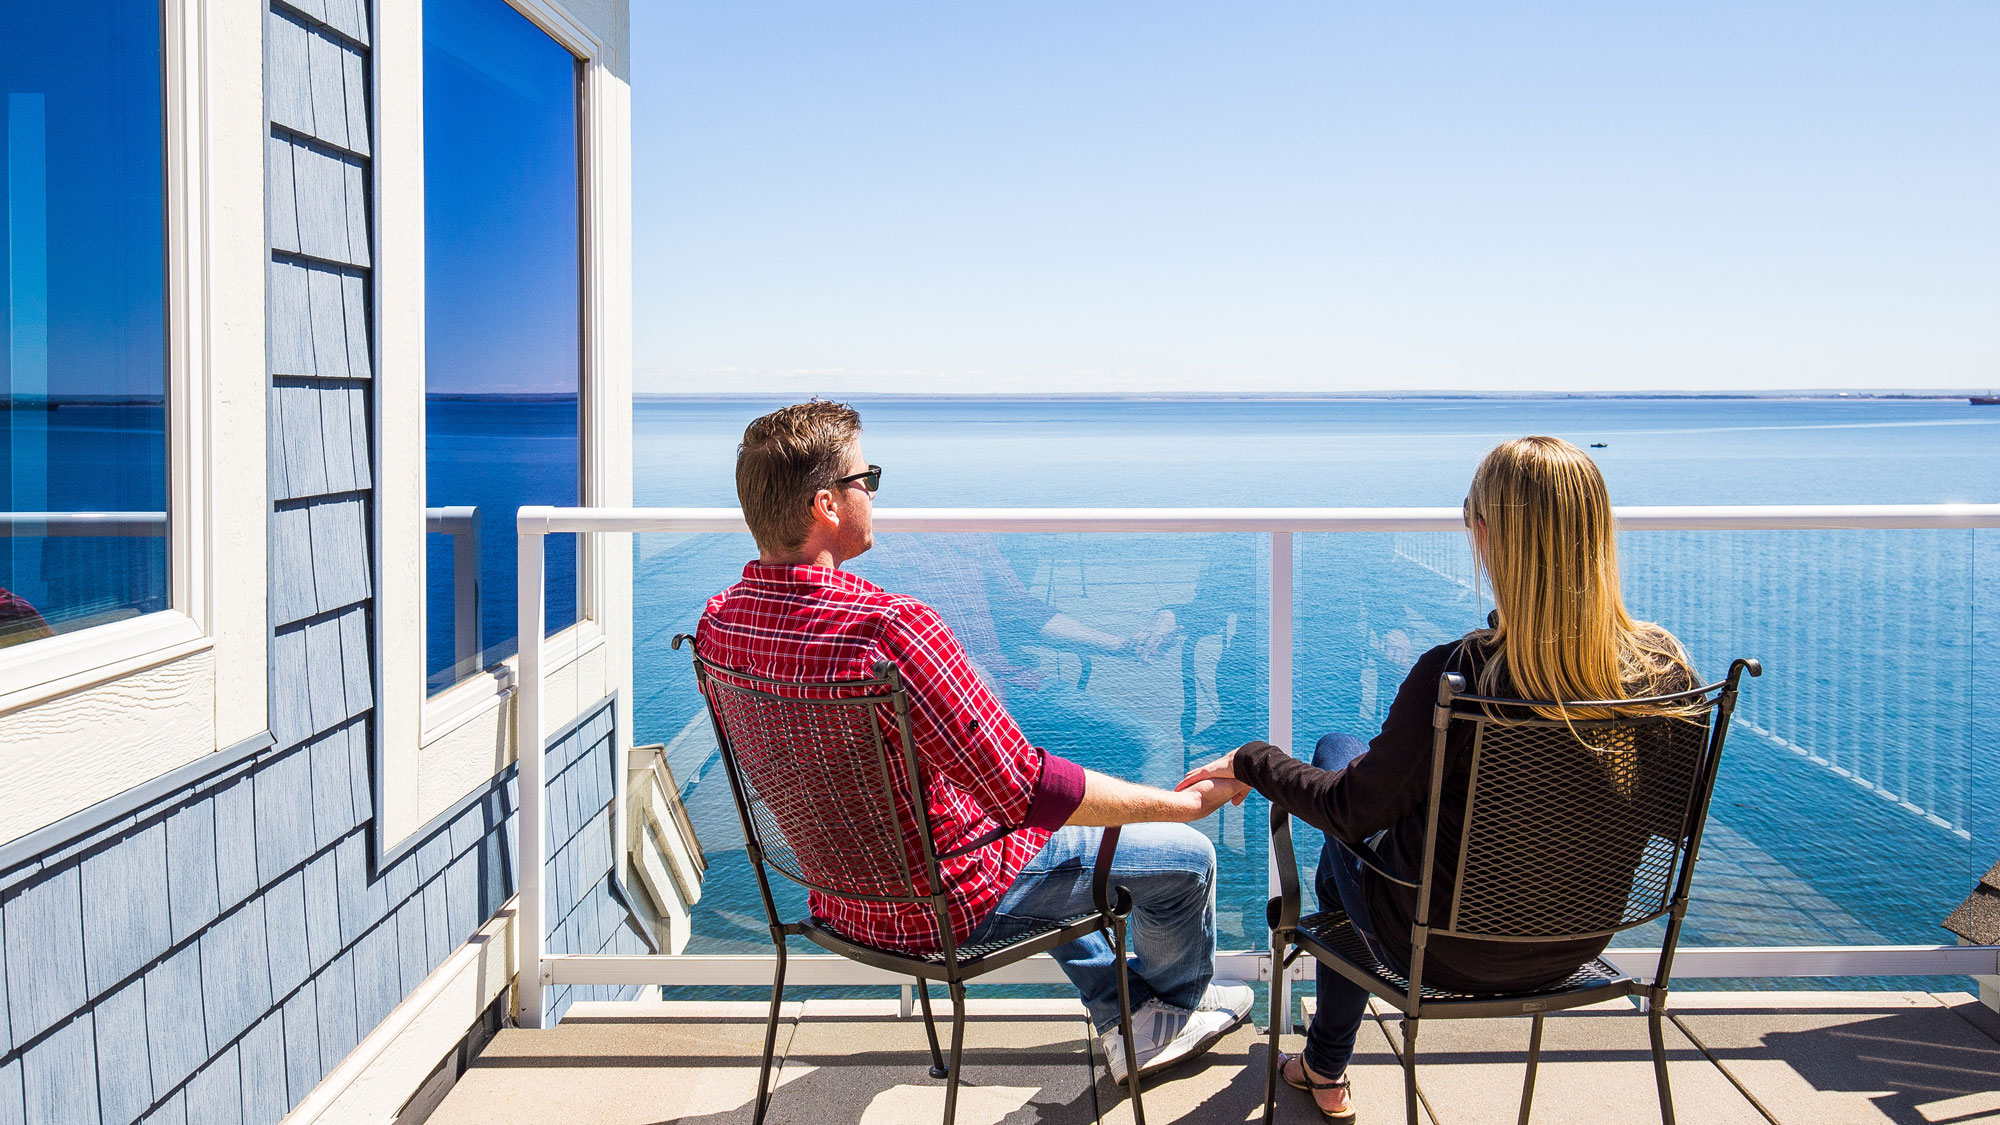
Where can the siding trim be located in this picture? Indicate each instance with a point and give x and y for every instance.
(24, 856)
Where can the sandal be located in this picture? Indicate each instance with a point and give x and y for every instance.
(1310, 1084)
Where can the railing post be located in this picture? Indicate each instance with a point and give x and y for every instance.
(1280, 735)
(465, 594)
(532, 846)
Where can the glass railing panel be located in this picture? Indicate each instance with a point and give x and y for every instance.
(1844, 813)
(1136, 655)
(1852, 805)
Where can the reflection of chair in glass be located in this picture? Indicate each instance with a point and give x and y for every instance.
(828, 804)
(1574, 831)
(1218, 608)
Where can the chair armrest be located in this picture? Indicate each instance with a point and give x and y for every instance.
(1282, 913)
(1100, 879)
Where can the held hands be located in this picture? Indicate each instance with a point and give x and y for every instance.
(1215, 783)
(1211, 794)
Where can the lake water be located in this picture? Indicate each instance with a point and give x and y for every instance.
(1856, 802)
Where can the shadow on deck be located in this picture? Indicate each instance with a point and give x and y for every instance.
(1797, 1058)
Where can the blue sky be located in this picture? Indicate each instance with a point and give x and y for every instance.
(1038, 196)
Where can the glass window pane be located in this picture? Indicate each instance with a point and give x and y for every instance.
(503, 339)
(83, 433)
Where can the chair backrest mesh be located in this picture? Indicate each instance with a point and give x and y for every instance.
(1575, 828)
(820, 785)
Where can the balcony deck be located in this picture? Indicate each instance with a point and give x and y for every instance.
(1796, 1058)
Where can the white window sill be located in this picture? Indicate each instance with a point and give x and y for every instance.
(479, 694)
(41, 670)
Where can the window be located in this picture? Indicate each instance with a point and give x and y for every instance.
(503, 322)
(83, 432)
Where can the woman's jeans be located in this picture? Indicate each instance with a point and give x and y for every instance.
(1170, 870)
(1341, 1003)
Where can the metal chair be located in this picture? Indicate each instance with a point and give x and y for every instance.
(829, 803)
(1573, 831)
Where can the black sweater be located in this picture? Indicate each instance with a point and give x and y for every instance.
(1388, 790)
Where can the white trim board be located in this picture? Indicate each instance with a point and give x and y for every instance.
(431, 750)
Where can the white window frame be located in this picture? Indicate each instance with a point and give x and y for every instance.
(471, 721)
(216, 380)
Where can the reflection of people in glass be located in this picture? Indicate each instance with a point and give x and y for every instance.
(19, 623)
(998, 620)
(1540, 521)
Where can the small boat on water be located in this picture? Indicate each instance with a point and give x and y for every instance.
(1986, 400)
(1599, 445)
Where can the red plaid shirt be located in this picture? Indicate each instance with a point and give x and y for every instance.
(817, 624)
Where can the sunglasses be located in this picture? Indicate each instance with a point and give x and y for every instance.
(870, 481)
(1468, 511)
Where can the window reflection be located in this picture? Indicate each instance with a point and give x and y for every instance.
(503, 360)
(83, 425)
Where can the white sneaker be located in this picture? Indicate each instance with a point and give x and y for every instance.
(1164, 1035)
(1232, 996)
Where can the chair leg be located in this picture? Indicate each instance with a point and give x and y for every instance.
(770, 1039)
(957, 1048)
(1410, 1070)
(930, 1029)
(1125, 1025)
(1534, 1057)
(1654, 1013)
(1278, 1021)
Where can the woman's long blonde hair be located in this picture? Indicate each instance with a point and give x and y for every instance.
(1543, 533)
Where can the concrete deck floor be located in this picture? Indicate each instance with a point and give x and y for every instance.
(1796, 1058)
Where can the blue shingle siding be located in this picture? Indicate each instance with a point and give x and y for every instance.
(337, 1027)
(284, 816)
(235, 972)
(176, 1040)
(285, 933)
(322, 893)
(302, 1055)
(59, 1076)
(192, 898)
(215, 1096)
(125, 907)
(281, 213)
(44, 953)
(124, 1073)
(12, 1110)
(332, 791)
(377, 974)
(261, 1055)
(173, 1111)
(6, 1024)
(287, 77)
(295, 407)
(236, 837)
(584, 917)
(288, 322)
(326, 306)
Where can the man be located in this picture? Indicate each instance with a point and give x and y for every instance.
(808, 496)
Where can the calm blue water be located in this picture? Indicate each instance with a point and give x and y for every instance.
(1845, 813)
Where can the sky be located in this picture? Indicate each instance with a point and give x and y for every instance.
(1033, 197)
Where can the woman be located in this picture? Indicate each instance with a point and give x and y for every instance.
(1541, 529)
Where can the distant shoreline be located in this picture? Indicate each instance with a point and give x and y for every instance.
(1347, 396)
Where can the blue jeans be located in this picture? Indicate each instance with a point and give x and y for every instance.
(1170, 870)
(1341, 1003)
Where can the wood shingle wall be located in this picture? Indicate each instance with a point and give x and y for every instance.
(204, 949)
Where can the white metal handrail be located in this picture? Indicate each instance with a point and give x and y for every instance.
(535, 967)
(82, 525)
(462, 524)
